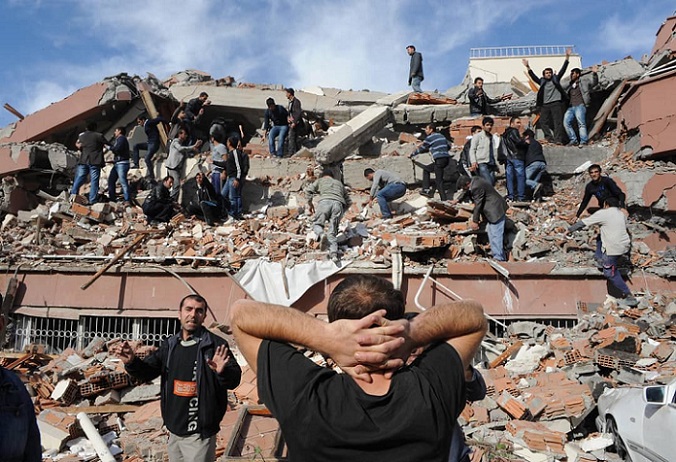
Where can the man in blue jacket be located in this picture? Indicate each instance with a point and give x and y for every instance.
(438, 146)
(197, 370)
(551, 99)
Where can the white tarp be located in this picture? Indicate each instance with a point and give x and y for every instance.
(264, 280)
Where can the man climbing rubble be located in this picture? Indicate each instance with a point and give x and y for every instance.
(387, 186)
(492, 206)
(197, 369)
(334, 200)
(614, 242)
(601, 187)
(438, 146)
(375, 413)
(151, 146)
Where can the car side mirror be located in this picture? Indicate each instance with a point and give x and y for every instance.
(655, 395)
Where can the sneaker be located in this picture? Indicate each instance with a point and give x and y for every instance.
(572, 143)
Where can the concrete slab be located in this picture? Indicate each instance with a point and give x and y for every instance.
(563, 160)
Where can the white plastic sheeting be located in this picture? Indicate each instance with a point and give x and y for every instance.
(267, 281)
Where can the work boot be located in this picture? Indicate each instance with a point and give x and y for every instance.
(629, 301)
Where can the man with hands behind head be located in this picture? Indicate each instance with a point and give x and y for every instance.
(377, 410)
(197, 370)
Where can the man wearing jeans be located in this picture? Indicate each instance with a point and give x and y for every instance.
(579, 96)
(90, 143)
(515, 169)
(236, 167)
(387, 186)
(120, 149)
(415, 71)
(276, 127)
(614, 243)
(482, 152)
(438, 145)
(151, 146)
(536, 164)
(489, 203)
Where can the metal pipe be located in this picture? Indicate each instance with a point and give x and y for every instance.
(93, 435)
(110, 257)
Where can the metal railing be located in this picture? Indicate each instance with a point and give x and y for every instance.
(59, 334)
(519, 51)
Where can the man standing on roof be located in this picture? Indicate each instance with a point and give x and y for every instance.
(197, 369)
(333, 202)
(492, 206)
(579, 97)
(387, 186)
(613, 244)
(551, 99)
(415, 69)
(438, 145)
(276, 126)
(120, 150)
(295, 120)
(389, 414)
(151, 146)
(90, 143)
(479, 100)
(601, 187)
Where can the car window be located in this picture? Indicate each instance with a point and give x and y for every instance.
(673, 398)
(655, 394)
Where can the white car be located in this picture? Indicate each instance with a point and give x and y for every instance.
(642, 421)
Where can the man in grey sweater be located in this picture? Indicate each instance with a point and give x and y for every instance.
(333, 202)
(176, 159)
(387, 186)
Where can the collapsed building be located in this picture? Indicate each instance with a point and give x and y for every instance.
(56, 255)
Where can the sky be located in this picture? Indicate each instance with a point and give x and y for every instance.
(51, 48)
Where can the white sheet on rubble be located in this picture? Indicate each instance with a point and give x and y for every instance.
(263, 280)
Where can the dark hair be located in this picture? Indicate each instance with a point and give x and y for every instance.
(576, 70)
(462, 182)
(218, 136)
(168, 177)
(612, 201)
(290, 91)
(513, 118)
(475, 128)
(91, 126)
(487, 120)
(411, 46)
(594, 167)
(195, 297)
(233, 141)
(432, 126)
(142, 116)
(122, 130)
(547, 69)
(361, 294)
(368, 171)
(204, 93)
(269, 102)
(478, 78)
(529, 132)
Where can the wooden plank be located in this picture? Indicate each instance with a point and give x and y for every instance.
(105, 409)
(606, 109)
(140, 238)
(148, 102)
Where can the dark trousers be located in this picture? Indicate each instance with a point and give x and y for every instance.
(210, 211)
(152, 147)
(551, 121)
(437, 167)
(158, 211)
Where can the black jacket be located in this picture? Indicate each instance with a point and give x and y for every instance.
(120, 148)
(415, 68)
(236, 164)
(534, 153)
(212, 388)
(514, 146)
(487, 201)
(478, 103)
(556, 78)
(277, 117)
(602, 189)
(160, 194)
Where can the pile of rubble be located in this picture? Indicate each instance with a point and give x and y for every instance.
(542, 386)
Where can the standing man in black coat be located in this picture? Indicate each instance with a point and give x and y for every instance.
(415, 70)
(90, 143)
(197, 370)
